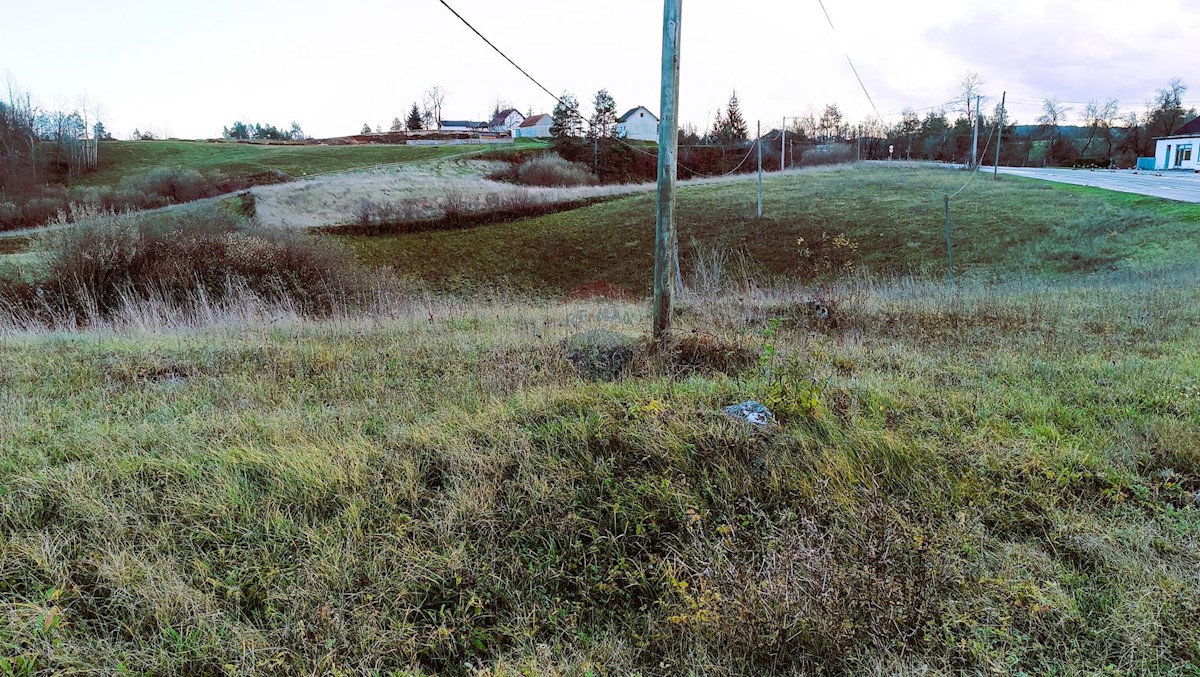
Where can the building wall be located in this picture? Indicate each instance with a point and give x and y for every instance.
(538, 131)
(511, 122)
(1165, 154)
(641, 127)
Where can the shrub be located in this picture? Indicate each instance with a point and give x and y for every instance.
(829, 154)
(41, 209)
(96, 268)
(170, 183)
(551, 170)
(600, 354)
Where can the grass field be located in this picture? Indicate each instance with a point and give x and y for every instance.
(119, 159)
(894, 225)
(989, 481)
(997, 478)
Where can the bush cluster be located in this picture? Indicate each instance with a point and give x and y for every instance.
(552, 171)
(95, 269)
(156, 188)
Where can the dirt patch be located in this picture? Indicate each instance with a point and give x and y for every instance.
(463, 220)
(13, 245)
(601, 289)
(705, 353)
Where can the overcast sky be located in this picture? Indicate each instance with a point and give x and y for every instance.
(189, 68)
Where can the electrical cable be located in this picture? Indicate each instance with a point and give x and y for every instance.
(575, 109)
(863, 85)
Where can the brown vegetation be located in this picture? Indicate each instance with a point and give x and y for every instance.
(95, 268)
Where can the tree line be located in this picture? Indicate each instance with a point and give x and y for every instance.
(1102, 134)
(45, 145)
(245, 131)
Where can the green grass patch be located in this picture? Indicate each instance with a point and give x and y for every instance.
(985, 481)
(892, 221)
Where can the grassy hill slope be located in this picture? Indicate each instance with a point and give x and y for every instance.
(893, 222)
(123, 158)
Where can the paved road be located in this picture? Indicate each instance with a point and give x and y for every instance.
(1183, 186)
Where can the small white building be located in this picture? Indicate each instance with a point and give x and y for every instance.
(506, 121)
(535, 127)
(1180, 150)
(638, 124)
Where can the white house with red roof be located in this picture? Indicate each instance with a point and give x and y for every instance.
(1180, 150)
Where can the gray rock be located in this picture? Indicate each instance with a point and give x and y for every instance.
(752, 412)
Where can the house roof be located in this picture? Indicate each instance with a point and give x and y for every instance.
(1190, 129)
(461, 123)
(535, 120)
(503, 115)
(628, 115)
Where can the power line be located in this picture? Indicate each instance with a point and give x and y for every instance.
(870, 100)
(978, 165)
(498, 51)
(575, 109)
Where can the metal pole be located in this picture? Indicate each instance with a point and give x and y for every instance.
(949, 247)
(975, 135)
(783, 144)
(758, 142)
(668, 150)
(999, 136)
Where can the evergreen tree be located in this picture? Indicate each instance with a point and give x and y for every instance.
(603, 123)
(716, 134)
(366, 129)
(566, 118)
(296, 134)
(415, 121)
(239, 130)
(736, 128)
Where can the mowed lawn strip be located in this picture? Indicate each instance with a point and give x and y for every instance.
(893, 220)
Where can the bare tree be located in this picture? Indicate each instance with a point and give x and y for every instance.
(1099, 118)
(1166, 111)
(499, 105)
(970, 87)
(435, 99)
(1054, 113)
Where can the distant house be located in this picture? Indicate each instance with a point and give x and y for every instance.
(638, 124)
(1180, 150)
(534, 127)
(506, 120)
(460, 126)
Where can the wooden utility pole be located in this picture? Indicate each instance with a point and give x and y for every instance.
(668, 151)
(999, 136)
(975, 135)
(758, 142)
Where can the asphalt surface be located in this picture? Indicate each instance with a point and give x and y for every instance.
(1183, 186)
